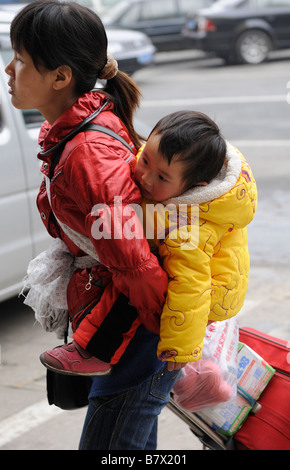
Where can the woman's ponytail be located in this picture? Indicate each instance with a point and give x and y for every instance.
(126, 97)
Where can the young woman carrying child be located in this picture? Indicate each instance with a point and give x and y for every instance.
(60, 49)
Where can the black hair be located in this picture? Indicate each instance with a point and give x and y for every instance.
(56, 33)
(195, 139)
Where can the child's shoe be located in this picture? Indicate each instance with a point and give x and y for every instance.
(72, 359)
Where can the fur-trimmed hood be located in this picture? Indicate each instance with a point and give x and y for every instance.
(231, 197)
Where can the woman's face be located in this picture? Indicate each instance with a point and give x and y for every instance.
(29, 88)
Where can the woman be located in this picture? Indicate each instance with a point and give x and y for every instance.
(60, 49)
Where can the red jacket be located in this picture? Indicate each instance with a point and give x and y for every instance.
(93, 170)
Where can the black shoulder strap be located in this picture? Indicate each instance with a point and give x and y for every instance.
(89, 127)
(106, 130)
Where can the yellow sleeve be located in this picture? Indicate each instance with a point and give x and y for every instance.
(185, 313)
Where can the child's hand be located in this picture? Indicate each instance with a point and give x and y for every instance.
(175, 365)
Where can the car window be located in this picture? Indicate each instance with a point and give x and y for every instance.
(117, 11)
(272, 3)
(224, 4)
(131, 16)
(187, 6)
(155, 9)
(32, 118)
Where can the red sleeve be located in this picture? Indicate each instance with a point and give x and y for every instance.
(108, 197)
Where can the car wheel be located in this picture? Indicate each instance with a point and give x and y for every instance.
(253, 47)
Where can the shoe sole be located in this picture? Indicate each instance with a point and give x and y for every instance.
(68, 372)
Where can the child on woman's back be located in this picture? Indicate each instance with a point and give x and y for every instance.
(187, 164)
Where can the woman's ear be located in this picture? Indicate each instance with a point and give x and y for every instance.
(203, 183)
(63, 77)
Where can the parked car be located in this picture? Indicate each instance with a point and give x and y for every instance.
(132, 49)
(242, 31)
(161, 20)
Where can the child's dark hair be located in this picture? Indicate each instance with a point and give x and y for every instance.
(193, 138)
(58, 33)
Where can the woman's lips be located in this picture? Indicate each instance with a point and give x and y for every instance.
(10, 90)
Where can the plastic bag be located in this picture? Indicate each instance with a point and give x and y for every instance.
(47, 279)
(212, 380)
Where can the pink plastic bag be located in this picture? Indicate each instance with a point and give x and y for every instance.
(212, 380)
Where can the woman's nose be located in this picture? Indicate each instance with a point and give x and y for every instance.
(9, 69)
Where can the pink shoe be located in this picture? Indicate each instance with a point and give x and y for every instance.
(72, 359)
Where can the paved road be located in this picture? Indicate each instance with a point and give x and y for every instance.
(250, 104)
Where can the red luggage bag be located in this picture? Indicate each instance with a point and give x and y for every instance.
(269, 429)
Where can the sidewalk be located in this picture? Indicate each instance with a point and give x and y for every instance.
(63, 429)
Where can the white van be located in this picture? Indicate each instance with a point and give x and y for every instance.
(22, 234)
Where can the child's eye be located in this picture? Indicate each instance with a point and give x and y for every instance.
(144, 160)
(162, 178)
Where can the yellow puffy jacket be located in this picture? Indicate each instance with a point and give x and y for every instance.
(205, 254)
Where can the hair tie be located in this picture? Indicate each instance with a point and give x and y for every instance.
(110, 70)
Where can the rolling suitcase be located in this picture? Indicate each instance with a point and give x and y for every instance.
(269, 427)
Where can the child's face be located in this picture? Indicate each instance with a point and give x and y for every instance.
(29, 89)
(156, 179)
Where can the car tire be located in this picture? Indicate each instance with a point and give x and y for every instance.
(253, 47)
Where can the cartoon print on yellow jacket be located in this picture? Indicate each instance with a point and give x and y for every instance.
(208, 280)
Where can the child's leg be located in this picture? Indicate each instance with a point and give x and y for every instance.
(109, 339)
(100, 338)
(102, 319)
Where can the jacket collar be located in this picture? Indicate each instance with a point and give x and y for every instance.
(222, 184)
(72, 117)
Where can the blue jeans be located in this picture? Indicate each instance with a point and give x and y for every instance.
(128, 420)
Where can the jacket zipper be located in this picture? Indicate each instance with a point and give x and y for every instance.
(89, 284)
